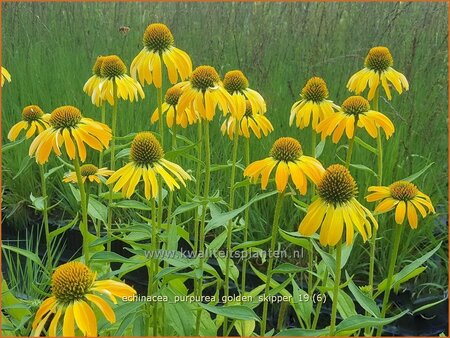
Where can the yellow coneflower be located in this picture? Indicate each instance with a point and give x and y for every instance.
(5, 75)
(74, 289)
(88, 172)
(237, 84)
(378, 70)
(146, 162)
(69, 128)
(159, 46)
(335, 208)
(258, 123)
(33, 121)
(114, 73)
(313, 105)
(92, 85)
(173, 114)
(203, 92)
(287, 155)
(405, 198)
(355, 108)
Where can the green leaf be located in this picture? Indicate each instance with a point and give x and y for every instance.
(10, 302)
(365, 145)
(364, 168)
(97, 210)
(233, 312)
(123, 153)
(107, 256)
(367, 303)
(131, 204)
(357, 322)
(52, 171)
(11, 145)
(251, 244)
(38, 202)
(418, 174)
(245, 328)
(326, 257)
(63, 229)
(287, 268)
(233, 270)
(24, 165)
(223, 218)
(303, 333)
(295, 238)
(319, 148)
(413, 274)
(28, 254)
(407, 270)
(427, 306)
(302, 308)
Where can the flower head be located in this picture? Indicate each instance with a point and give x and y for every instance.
(203, 93)
(69, 128)
(116, 83)
(336, 207)
(74, 290)
(355, 109)
(237, 85)
(173, 114)
(287, 155)
(33, 121)
(313, 106)
(158, 48)
(5, 75)
(92, 85)
(146, 162)
(258, 123)
(88, 172)
(405, 197)
(378, 70)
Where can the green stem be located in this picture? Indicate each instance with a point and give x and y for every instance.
(348, 158)
(84, 222)
(392, 261)
(150, 265)
(202, 222)
(337, 281)
(246, 215)
(112, 166)
(276, 219)
(372, 241)
(230, 223)
(313, 143)
(100, 165)
(161, 120)
(319, 306)
(171, 193)
(45, 217)
(198, 175)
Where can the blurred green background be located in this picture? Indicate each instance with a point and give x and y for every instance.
(49, 49)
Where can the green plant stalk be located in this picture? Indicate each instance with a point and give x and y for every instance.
(372, 241)
(337, 281)
(84, 222)
(160, 120)
(169, 219)
(198, 174)
(171, 193)
(112, 166)
(151, 266)
(202, 222)
(348, 158)
(319, 305)
(276, 219)
(313, 143)
(230, 223)
(45, 216)
(246, 217)
(392, 261)
(100, 165)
